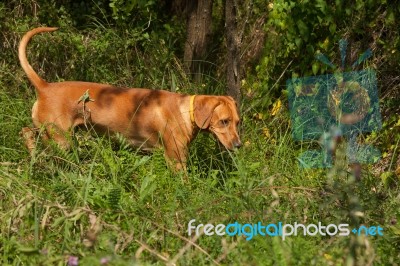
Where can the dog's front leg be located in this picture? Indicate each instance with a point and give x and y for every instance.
(176, 157)
(58, 135)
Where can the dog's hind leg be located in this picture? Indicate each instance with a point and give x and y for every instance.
(29, 136)
(51, 132)
(56, 131)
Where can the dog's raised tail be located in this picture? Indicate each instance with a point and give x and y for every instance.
(37, 81)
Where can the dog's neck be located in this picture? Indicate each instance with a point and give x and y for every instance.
(191, 110)
(194, 128)
(187, 109)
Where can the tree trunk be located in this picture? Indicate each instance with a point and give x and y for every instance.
(198, 34)
(233, 54)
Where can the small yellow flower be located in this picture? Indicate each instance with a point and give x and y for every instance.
(266, 132)
(276, 107)
(327, 256)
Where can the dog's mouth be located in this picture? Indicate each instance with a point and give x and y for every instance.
(235, 146)
(232, 146)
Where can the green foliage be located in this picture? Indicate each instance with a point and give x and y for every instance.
(298, 30)
(123, 9)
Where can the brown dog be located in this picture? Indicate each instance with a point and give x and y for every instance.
(147, 118)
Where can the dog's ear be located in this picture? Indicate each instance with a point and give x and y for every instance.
(203, 110)
(230, 99)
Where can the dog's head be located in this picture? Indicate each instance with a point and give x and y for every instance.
(219, 115)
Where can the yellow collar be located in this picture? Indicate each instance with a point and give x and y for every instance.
(191, 110)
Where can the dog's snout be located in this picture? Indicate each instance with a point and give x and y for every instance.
(237, 144)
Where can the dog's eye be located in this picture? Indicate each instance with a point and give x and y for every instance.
(225, 122)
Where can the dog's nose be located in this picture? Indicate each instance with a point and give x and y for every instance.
(237, 144)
